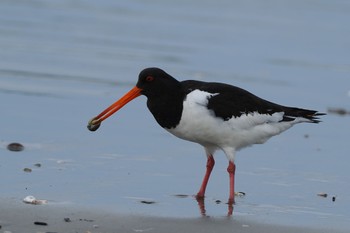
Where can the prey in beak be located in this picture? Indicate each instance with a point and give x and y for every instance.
(95, 122)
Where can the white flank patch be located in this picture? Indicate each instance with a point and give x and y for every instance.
(200, 125)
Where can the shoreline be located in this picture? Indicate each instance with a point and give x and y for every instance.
(20, 217)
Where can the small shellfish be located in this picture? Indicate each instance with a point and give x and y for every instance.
(93, 124)
(240, 194)
(33, 200)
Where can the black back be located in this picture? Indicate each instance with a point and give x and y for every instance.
(165, 96)
(233, 101)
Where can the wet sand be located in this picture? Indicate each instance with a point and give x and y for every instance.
(19, 217)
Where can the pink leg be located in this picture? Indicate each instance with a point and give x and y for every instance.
(231, 169)
(210, 165)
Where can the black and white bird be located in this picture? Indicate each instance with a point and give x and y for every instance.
(215, 115)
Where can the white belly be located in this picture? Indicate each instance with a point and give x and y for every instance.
(199, 124)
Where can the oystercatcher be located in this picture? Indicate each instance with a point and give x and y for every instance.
(215, 115)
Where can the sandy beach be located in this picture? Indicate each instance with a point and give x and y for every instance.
(16, 217)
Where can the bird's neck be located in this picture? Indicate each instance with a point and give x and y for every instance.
(167, 108)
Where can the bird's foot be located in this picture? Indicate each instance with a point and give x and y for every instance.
(230, 204)
(201, 204)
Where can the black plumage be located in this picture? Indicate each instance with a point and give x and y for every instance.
(166, 95)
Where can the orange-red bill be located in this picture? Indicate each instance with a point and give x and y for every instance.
(95, 122)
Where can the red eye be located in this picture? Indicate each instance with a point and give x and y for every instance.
(149, 78)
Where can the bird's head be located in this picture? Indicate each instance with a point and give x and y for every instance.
(152, 83)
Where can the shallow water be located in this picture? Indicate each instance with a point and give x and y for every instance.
(62, 62)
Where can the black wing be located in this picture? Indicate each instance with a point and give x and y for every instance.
(232, 101)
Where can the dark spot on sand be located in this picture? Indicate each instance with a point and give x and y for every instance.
(37, 165)
(40, 223)
(67, 220)
(217, 201)
(86, 220)
(333, 198)
(322, 195)
(27, 170)
(338, 111)
(148, 202)
(15, 146)
(181, 195)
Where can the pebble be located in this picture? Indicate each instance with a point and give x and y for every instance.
(67, 220)
(333, 198)
(15, 146)
(27, 170)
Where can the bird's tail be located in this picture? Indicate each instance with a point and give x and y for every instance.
(307, 115)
